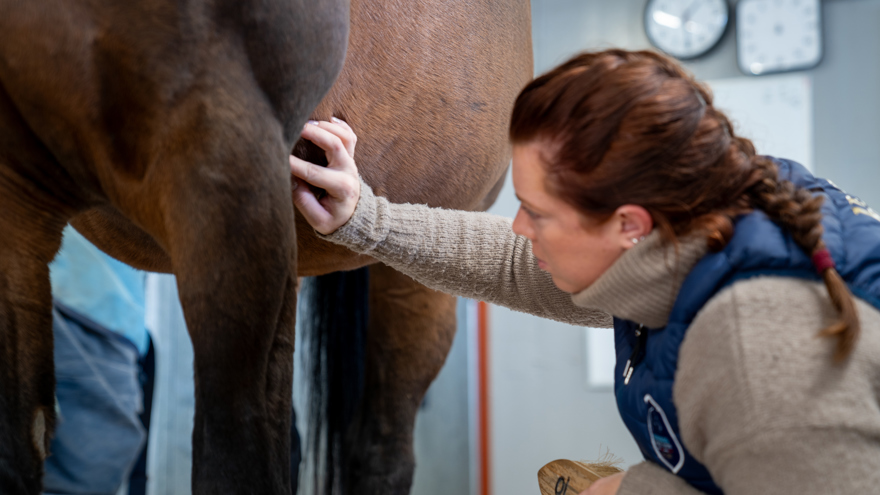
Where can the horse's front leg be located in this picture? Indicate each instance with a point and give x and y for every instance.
(410, 333)
(29, 239)
(228, 224)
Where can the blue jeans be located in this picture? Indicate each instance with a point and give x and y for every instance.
(99, 435)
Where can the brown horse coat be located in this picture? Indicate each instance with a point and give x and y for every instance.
(160, 130)
(428, 87)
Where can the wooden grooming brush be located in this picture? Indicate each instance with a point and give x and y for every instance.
(564, 477)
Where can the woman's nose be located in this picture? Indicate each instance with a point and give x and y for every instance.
(522, 225)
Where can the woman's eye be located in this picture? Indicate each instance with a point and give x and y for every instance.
(531, 213)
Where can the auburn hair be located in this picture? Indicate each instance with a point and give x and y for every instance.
(636, 128)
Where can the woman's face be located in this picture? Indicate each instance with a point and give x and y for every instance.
(573, 248)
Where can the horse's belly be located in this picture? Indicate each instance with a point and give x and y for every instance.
(428, 87)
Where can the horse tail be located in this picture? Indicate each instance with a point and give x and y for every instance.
(336, 310)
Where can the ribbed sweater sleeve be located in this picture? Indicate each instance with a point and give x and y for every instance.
(761, 402)
(469, 254)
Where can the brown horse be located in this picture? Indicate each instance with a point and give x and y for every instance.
(160, 130)
(428, 87)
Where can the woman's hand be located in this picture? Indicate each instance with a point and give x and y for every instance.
(339, 178)
(605, 486)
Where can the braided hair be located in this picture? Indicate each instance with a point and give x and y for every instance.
(636, 128)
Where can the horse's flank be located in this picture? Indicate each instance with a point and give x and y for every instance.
(428, 87)
(108, 93)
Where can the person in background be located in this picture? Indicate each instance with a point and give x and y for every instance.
(743, 291)
(101, 347)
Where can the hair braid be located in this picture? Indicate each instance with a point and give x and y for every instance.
(799, 212)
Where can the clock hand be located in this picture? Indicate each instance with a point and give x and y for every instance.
(689, 11)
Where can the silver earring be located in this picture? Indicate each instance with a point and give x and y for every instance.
(636, 241)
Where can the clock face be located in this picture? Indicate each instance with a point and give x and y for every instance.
(778, 35)
(685, 28)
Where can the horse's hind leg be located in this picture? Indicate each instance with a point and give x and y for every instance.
(27, 379)
(410, 333)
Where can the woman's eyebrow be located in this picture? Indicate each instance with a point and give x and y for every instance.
(527, 204)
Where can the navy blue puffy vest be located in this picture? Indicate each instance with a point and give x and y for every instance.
(758, 247)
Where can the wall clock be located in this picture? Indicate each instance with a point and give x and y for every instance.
(778, 35)
(685, 28)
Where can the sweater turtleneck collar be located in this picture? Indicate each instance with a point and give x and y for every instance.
(643, 283)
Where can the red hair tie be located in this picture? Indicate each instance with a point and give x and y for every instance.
(822, 260)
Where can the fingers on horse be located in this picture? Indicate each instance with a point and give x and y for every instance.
(338, 184)
(345, 133)
(308, 204)
(316, 175)
(335, 140)
(340, 129)
(342, 123)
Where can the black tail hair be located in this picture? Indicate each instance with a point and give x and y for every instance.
(334, 339)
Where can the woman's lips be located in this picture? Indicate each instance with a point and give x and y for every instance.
(541, 264)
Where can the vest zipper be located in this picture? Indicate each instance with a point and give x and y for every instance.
(634, 358)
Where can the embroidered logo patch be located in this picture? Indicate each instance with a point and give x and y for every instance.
(663, 439)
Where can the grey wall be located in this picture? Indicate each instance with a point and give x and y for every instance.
(169, 456)
(847, 99)
(846, 94)
(442, 444)
(846, 84)
(542, 408)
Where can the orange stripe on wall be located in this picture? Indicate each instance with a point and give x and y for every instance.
(483, 378)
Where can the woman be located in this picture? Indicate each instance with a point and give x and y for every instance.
(720, 268)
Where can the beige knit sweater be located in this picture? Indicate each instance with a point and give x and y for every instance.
(760, 402)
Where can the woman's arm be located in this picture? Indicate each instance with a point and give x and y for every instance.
(468, 254)
(761, 402)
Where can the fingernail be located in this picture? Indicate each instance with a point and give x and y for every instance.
(313, 122)
(338, 121)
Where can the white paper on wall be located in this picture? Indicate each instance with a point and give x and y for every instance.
(775, 112)
(600, 357)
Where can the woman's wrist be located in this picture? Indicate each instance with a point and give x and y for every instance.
(365, 229)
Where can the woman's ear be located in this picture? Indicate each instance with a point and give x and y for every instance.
(635, 223)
